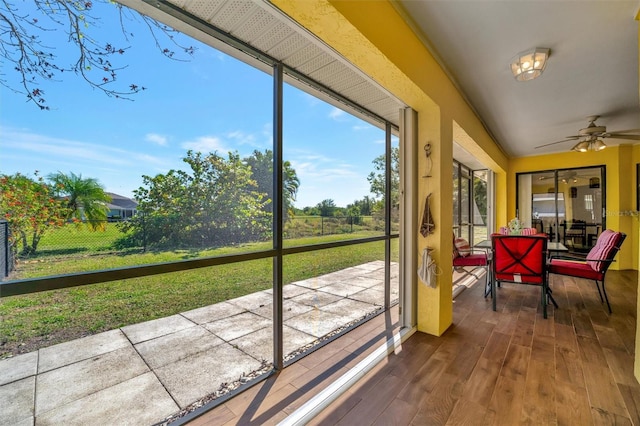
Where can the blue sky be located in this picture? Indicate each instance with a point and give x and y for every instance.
(211, 102)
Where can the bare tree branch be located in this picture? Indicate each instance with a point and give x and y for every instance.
(35, 63)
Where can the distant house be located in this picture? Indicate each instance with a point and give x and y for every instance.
(121, 207)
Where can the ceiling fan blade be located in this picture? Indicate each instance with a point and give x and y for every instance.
(625, 131)
(570, 138)
(622, 136)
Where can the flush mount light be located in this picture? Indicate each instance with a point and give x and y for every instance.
(529, 64)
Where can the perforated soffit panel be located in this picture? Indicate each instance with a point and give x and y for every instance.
(264, 28)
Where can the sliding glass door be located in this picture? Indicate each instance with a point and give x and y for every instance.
(567, 204)
(470, 203)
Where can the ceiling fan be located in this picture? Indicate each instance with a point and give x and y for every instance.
(591, 136)
(569, 176)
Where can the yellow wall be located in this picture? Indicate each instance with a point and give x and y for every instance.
(620, 162)
(376, 38)
(636, 159)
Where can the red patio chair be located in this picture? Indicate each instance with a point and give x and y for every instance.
(521, 259)
(595, 265)
(469, 257)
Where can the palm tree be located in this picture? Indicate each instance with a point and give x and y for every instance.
(262, 172)
(86, 198)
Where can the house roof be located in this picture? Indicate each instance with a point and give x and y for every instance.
(119, 202)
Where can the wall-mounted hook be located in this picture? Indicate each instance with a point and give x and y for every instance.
(427, 152)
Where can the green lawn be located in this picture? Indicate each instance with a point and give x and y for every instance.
(41, 319)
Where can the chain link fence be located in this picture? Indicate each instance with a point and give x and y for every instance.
(311, 226)
(6, 255)
(105, 239)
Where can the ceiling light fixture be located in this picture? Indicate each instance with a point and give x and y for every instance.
(589, 145)
(529, 64)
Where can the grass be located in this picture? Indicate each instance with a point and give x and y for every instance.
(37, 320)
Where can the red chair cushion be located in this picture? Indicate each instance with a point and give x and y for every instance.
(478, 259)
(574, 269)
(607, 242)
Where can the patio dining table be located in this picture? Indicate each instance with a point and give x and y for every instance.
(552, 246)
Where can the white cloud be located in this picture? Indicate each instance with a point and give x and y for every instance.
(242, 138)
(156, 139)
(118, 169)
(359, 127)
(337, 114)
(379, 141)
(71, 151)
(206, 144)
(310, 100)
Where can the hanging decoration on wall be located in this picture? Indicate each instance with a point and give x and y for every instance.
(428, 270)
(427, 227)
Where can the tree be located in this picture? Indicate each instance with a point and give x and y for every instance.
(216, 203)
(365, 206)
(377, 178)
(326, 207)
(480, 196)
(85, 198)
(262, 172)
(31, 210)
(22, 25)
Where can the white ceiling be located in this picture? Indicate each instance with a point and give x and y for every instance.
(592, 69)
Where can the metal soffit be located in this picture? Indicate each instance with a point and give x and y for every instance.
(257, 33)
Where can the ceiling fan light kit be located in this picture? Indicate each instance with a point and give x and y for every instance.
(589, 145)
(529, 64)
(590, 137)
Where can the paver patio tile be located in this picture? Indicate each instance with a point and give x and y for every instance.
(316, 299)
(103, 376)
(367, 282)
(16, 401)
(343, 289)
(172, 347)
(155, 328)
(30, 421)
(371, 266)
(315, 283)
(213, 312)
(350, 310)
(260, 343)
(253, 301)
(353, 271)
(66, 384)
(316, 322)
(295, 339)
(290, 309)
(199, 375)
(291, 290)
(141, 400)
(238, 325)
(372, 296)
(18, 367)
(80, 349)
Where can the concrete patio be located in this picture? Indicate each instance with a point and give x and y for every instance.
(144, 373)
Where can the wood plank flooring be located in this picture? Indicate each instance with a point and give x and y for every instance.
(506, 367)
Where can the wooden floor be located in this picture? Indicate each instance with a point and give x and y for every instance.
(506, 367)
